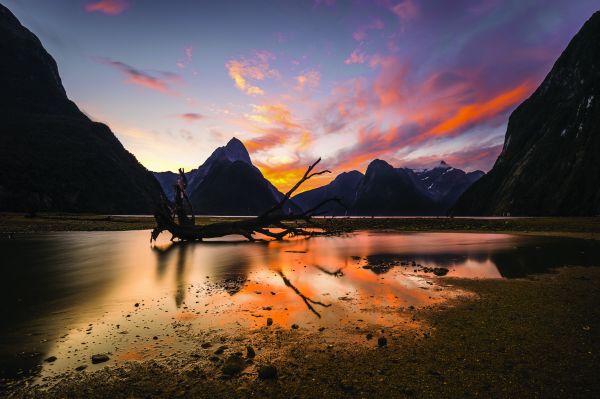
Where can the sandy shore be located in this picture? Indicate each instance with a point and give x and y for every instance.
(534, 337)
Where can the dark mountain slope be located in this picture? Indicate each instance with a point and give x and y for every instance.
(392, 191)
(445, 184)
(227, 184)
(549, 164)
(344, 187)
(52, 157)
(386, 191)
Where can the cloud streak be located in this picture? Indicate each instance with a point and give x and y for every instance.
(191, 117)
(161, 82)
(108, 7)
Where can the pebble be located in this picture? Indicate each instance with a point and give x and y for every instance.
(381, 341)
(99, 359)
(50, 359)
(233, 365)
(250, 352)
(267, 372)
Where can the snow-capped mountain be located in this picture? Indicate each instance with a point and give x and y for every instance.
(385, 190)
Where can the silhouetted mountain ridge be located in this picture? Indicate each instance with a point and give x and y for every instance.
(549, 163)
(52, 156)
(387, 191)
(227, 183)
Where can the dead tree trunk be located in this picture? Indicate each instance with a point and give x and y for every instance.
(274, 218)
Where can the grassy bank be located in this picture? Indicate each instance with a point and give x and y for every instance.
(583, 227)
(536, 337)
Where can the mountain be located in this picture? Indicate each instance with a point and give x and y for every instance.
(385, 190)
(227, 183)
(344, 187)
(52, 156)
(549, 163)
(445, 184)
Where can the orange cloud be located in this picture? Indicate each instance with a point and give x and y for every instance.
(285, 175)
(469, 114)
(272, 138)
(256, 68)
(109, 7)
(272, 114)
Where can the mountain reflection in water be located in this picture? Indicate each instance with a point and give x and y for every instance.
(74, 294)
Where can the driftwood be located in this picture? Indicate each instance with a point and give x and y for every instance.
(300, 224)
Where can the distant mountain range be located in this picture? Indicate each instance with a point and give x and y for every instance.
(227, 183)
(52, 156)
(550, 162)
(385, 190)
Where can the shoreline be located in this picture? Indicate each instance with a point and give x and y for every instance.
(488, 344)
(569, 227)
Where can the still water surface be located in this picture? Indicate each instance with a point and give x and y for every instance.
(75, 294)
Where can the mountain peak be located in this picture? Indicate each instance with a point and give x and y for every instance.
(442, 165)
(234, 150)
(378, 164)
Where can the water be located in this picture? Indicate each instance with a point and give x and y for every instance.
(75, 294)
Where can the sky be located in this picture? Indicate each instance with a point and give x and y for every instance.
(411, 82)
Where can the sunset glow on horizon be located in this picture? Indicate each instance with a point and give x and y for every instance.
(411, 82)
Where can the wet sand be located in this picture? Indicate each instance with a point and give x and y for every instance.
(531, 337)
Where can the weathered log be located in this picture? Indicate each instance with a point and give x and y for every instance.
(274, 218)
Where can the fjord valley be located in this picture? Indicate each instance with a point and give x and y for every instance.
(325, 199)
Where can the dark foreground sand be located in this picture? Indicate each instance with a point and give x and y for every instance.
(534, 337)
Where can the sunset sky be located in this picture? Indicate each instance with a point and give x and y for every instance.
(407, 81)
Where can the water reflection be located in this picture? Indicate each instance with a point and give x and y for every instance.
(71, 295)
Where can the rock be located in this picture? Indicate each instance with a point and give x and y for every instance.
(214, 359)
(99, 359)
(440, 271)
(295, 326)
(381, 342)
(155, 338)
(50, 359)
(369, 336)
(220, 350)
(267, 372)
(136, 304)
(206, 345)
(269, 321)
(81, 368)
(233, 365)
(250, 352)
(321, 329)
